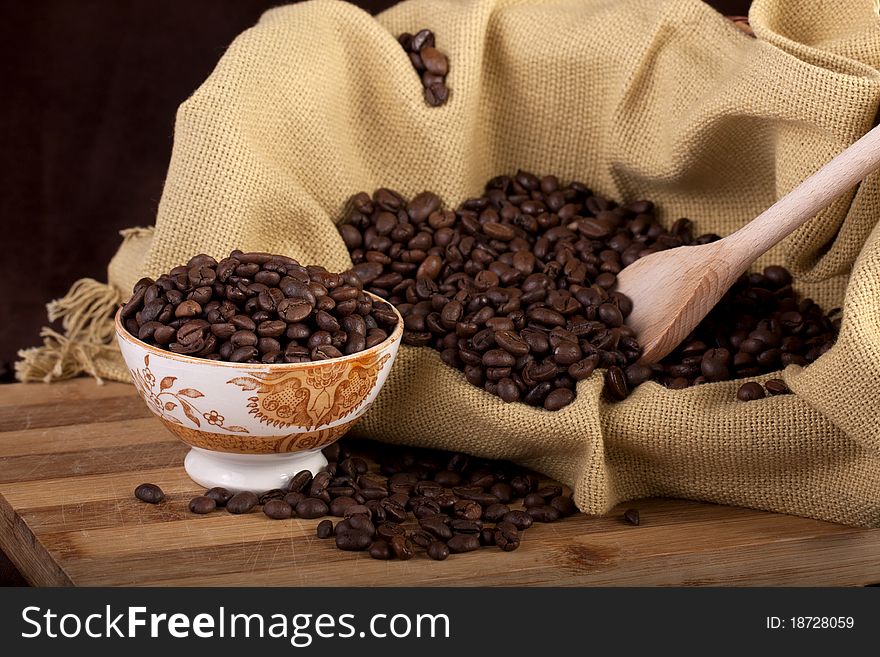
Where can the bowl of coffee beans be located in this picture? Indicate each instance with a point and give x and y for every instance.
(256, 362)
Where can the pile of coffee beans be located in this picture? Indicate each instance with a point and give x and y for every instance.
(402, 501)
(431, 64)
(516, 289)
(759, 327)
(256, 308)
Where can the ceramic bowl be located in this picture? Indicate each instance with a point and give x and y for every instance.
(253, 426)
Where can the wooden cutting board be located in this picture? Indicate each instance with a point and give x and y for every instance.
(72, 453)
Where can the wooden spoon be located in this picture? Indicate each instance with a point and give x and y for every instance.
(672, 291)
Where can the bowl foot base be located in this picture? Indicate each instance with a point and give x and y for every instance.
(253, 472)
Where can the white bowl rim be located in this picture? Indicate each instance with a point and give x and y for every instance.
(395, 336)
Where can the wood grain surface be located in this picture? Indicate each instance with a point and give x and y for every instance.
(72, 453)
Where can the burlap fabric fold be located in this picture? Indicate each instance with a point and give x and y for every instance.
(638, 98)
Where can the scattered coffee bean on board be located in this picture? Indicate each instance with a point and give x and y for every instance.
(256, 308)
(631, 516)
(431, 65)
(515, 288)
(277, 509)
(149, 493)
(423, 501)
(242, 502)
(202, 505)
(220, 495)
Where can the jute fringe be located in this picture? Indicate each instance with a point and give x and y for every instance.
(86, 314)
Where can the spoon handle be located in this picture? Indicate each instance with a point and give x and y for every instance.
(804, 201)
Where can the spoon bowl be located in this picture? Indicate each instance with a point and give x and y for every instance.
(673, 290)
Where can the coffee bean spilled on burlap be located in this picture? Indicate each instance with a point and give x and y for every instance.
(516, 289)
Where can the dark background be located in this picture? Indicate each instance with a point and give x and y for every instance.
(89, 91)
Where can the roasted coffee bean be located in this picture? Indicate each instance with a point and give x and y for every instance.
(202, 504)
(242, 502)
(437, 527)
(467, 510)
(506, 536)
(558, 399)
(495, 512)
(294, 498)
(402, 547)
(776, 386)
(149, 493)
(750, 391)
(438, 551)
(421, 538)
(564, 504)
(519, 519)
(357, 510)
(300, 481)
(615, 383)
(352, 541)
(462, 526)
(339, 505)
(380, 550)
(388, 530)
(324, 529)
(277, 509)
(310, 508)
(220, 495)
(503, 491)
(463, 543)
(274, 494)
(533, 499)
(361, 523)
(631, 516)
(319, 483)
(543, 513)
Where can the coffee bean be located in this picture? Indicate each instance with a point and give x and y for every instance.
(463, 543)
(242, 502)
(324, 529)
(437, 527)
(353, 541)
(388, 530)
(202, 504)
(402, 547)
(438, 551)
(564, 504)
(506, 536)
(294, 498)
(776, 386)
(421, 538)
(380, 550)
(220, 495)
(311, 507)
(277, 509)
(149, 493)
(301, 480)
(615, 383)
(750, 391)
(495, 512)
(519, 519)
(558, 399)
(543, 513)
(274, 494)
(631, 516)
(339, 505)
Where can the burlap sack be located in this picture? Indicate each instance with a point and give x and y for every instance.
(639, 98)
